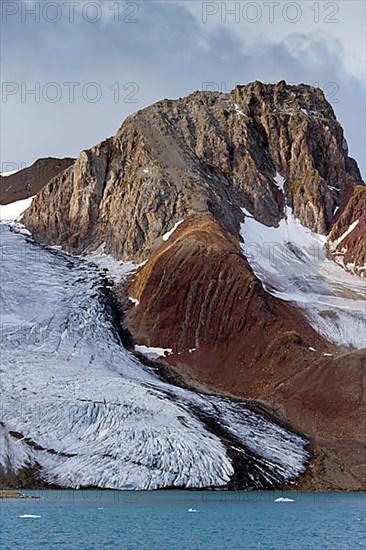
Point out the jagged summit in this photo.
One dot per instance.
(206, 153)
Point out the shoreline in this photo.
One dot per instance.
(16, 494)
(9, 494)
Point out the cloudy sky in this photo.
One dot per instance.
(90, 64)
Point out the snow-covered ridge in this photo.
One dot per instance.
(291, 263)
(77, 403)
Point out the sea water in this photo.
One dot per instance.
(181, 520)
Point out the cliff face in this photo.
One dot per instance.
(202, 165)
(207, 153)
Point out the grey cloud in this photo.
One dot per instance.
(168, 54)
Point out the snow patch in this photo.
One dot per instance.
(169, 233)
(246, 213)
(4, 174)
(153, 352)
(280, 181)
(334, 244)
(291, 263)
(239, 111)
(117, 270)
(13, 211)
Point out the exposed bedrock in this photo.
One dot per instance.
(206, 153)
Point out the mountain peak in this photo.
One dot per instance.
(205, 153)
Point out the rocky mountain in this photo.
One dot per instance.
(237, 204)
(209, 153)
(29, 181)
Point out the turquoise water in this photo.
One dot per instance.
(83, 520)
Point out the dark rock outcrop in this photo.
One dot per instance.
(29, 181)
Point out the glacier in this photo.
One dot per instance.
(84, 411)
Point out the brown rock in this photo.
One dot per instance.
(207, 153)
(29, 181)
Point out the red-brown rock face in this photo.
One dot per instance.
(198, 296)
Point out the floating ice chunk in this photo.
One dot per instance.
(29, 516)
(192, 510)
(283, 499)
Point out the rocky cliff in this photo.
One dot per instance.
(174, 188)
(207, 153)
